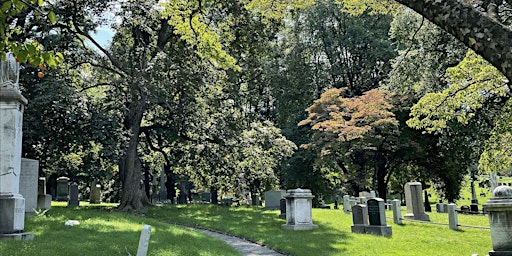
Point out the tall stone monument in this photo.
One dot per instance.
(12, 104)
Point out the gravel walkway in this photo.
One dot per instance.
(245, 247)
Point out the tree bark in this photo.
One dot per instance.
(480, 32)
(134, 197)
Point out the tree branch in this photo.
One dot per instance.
(478, 31)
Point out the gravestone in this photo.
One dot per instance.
(352, 202)
(12, 104)
(365, 194)
(44, 201)
(73, 195)
(95, 197)
(154, 193)
(499, 209)
(206, 197)
(255, 199)
(346, 204)
(299, 210)
(273, 198)
(145, 234)
(359, 218)
(361, 200)
(41, 186)
(414, 202)
(282, 207)
(397, 211)
(453, 220)
(62, 193)
(440, 208)
(163, 190)
(29, 178)
(377, 218)
(493, 180)
(373, 194)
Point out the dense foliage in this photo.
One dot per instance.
(222, 92)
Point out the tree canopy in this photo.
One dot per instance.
(215, 89)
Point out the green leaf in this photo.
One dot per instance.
(52, 17)
(40, 2)
(32, 50)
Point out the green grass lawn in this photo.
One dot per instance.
(333, 237)
(106, 232)
(103, 231)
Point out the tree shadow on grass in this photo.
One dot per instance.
(108, 233)
(258, 226)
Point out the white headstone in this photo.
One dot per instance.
(397, 212)
(29, 178)
(144, 240)
(453, 220)
(346, 204)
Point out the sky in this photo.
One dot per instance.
(103, 35)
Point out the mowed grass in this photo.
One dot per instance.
(103, 231)
(333, 237)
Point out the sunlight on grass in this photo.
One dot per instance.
(117, 233)
(103, 231)
(334, 237)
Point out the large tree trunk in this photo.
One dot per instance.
(134, 197)
(480, 32)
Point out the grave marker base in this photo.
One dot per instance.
(378, 230)
(417, 216)
(358, 229)
(299, 227)
(12, 213)
(500, 253)
(26, 236)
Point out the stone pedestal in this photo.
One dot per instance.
(12, 104)
(299, 210)
(499, 209)
(414, 202)
(12, 213)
